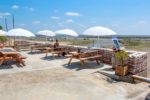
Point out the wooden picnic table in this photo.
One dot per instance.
(41, 47)
(48, 49)
(38, 48)
(83, 56)
(58, 50)
(11, 54)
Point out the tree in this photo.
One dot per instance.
(1, 27)
(3, 38)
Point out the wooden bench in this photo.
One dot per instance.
(40, 47)
(60, 51)
(140, 78)
(91, 58)
(85, 56)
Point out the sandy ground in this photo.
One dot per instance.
(52, 79)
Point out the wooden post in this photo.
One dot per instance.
(6, 24)
(140, 78)
(13, 20)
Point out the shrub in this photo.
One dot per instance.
(122, 56)
(1, 27)
(3, 38)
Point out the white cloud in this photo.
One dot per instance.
(72, 14)
(15, 7)
(142, 22)
(69, 21)
(22, 24)
(36, 22)
(55, 17)
(4, 14)
(29, 8)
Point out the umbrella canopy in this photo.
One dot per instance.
(46, 33)
(99, 31)
(67, 32)
(2, 33)
(20, 32)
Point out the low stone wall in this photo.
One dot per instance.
(137, 61)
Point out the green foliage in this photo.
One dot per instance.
(122, 57)
(3, 38)
(138, 44)
(130, 42)
(1, 27)
(77, 41)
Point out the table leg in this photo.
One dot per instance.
(82, 62)
(97, 62)
(46, 53)
(70, 60)
(31, 50)
(20, 60)
(1, 61)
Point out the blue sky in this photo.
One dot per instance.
(126, 17)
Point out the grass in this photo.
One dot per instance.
(77, 41)
(136, 44)
(3, 38)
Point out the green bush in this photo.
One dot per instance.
(122, 56)
(3, 38)
(1, 27)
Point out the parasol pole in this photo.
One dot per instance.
(7, 29)
(13, 26)
(6, 24)
(98, 41)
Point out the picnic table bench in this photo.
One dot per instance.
(85, 56)
(11, 54)
(57, 51)
(41, 48)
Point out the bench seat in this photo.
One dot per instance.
(91, 58)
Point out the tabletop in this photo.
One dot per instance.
(8, 51)
(87, 51)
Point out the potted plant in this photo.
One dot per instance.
(121, 68)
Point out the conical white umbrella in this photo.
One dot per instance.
(2, 33)
(46, 33)
(99, 31)
(67, 32)
(20, 32)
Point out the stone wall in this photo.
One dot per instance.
(137, 61)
